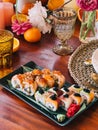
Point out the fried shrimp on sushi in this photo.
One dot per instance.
(17, 81)
(52, 102)
(77, 98)
(75, 88)
(65, 101)
(88, 95)
(59, 78)
(30, 87)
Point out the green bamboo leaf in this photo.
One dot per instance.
(83, 107)
(26, 69)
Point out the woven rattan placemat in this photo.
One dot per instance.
(78, 70)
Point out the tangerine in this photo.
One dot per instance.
(54, 4)
(12, 1)
(32, 35)
(26, 7)
(16, 45)
(19, 17)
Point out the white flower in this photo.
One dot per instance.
(37, 16)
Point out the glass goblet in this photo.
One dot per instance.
(64, 23)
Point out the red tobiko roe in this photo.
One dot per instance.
(72, 109)
(88, 5)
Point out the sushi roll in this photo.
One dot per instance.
(41, 82)
(65, 101)
(50, 80)
(56, 91)
(77, 98)
(52, 102)
(39, 96)
(28, 75)
(30, 87)
(17, 81)
(88, 95)
(36, 72)
(46, 71)
(59, 78)
(75, 88)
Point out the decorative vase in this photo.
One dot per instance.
(88, 29)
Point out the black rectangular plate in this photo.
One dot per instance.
(30, 101)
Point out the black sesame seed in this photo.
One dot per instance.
(53, 97)
(66, 95)
(86, 90)
(55, 88)
(76, 86)
(77, 95)
(66, 89)
(41, 91)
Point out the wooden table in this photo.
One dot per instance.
(17, 115)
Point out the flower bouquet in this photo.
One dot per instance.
(88, 29)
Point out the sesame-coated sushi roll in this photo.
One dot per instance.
(41, 82)
(75, 88)
(36, 72)
(50, 80)
(65, 101)
(17, 81)
(77, 98)
(30, 87)
(59, 78)
(87, 95)
(46, 71)
(52, 102)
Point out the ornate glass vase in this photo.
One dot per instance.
(88, 29)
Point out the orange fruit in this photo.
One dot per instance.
(54, 4)
(80, 13)
(32, 35)
(20, 17)
(16, 45)
(26, 7)
(12, 1)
